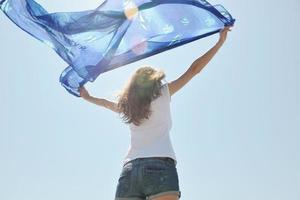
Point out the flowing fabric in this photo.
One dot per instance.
(116, 33)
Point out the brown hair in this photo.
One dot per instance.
(135, 98)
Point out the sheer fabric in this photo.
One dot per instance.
(116, 33)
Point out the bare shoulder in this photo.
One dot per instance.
(181, 81)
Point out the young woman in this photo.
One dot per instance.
(149, 168)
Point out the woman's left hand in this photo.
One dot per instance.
(223, 33)
(83, 92)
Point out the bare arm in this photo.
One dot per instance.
(198, 64)
(98, 101)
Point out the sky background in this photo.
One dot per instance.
(235, 126)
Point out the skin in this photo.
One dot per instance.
(174, 85)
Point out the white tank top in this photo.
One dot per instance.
(151, 138)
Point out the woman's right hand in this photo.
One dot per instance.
(83, 92)
(223, 33)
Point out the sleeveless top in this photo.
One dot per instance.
(151, 138)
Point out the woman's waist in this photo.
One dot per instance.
(137, 160)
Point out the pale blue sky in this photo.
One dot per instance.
(235, 127)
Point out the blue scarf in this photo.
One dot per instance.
(116, 33)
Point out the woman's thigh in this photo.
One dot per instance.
(167, 197)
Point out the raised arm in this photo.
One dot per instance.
(98, 101)
(198, 64)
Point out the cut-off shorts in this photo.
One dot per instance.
(148, 178)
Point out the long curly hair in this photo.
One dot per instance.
(135, 98)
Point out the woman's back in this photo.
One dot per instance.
(151, 138)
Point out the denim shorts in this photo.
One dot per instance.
(148, 178)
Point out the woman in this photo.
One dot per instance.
(149, 168)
